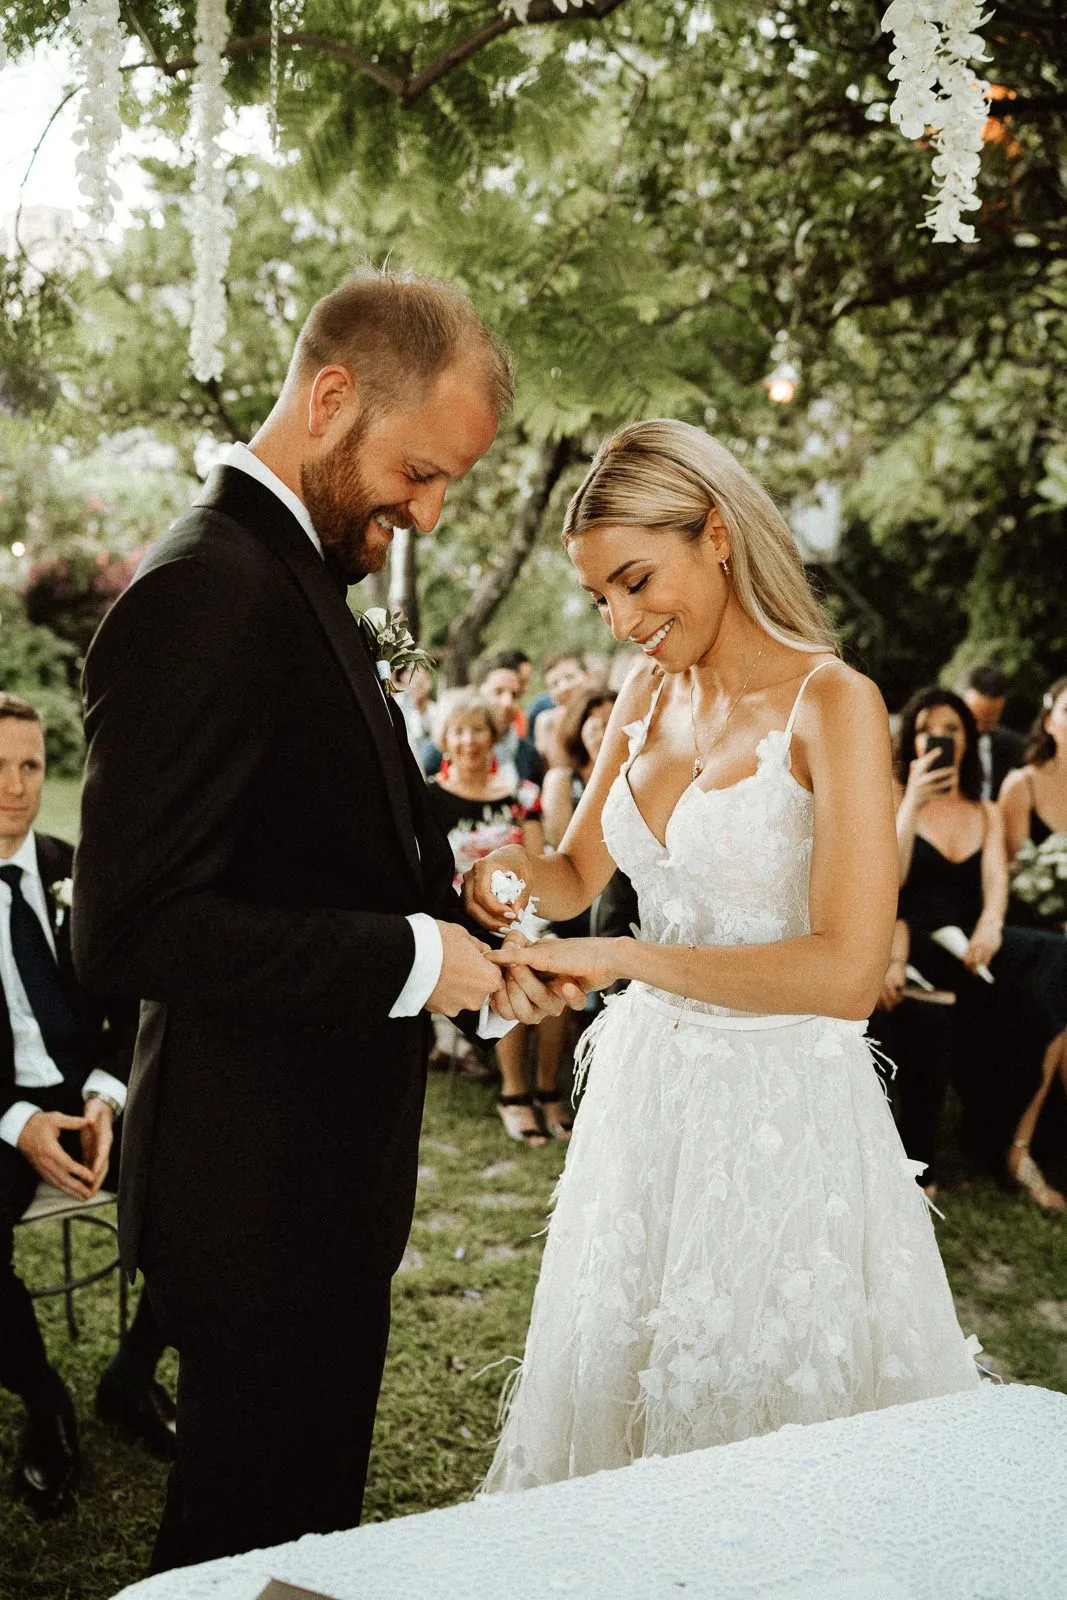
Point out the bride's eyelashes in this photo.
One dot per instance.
(598, 602)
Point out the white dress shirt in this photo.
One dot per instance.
(34, 1067)
(429, 951)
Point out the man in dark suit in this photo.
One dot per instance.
(278, 895)
(64, 1061)
(1000, 750)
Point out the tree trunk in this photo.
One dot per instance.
(465, 633)
(403, 577)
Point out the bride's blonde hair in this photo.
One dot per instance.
(664, 474)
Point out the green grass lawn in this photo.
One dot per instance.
(461, 1303)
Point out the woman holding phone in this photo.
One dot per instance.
(954, 875)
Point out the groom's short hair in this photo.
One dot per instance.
(397, 332)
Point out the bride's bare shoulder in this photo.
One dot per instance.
(843, 692)
(638, 689)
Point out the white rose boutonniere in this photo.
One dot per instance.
(391, 645)
(63, 898)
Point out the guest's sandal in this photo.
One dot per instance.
(1031, 1180)
(510, 1108)
(559, 1127)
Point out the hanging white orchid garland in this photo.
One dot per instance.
(98, 31)
(212, 219)
(934, 40)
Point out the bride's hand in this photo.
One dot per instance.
(592, 963)
(478, 898)
(528, 996)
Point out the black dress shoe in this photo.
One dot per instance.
(144, 1414)
(47, 1466)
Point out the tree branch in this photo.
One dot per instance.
(406, 89)
(555, 457)
(1048, 105)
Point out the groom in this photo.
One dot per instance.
(258, 865)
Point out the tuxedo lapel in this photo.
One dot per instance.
(244, 500)
(54, 867)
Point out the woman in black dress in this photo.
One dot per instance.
(1000, 1039)
(1033, 800)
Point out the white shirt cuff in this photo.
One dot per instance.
(490, 1025)
(425, 969)
(101, 1082)
(15, 1119)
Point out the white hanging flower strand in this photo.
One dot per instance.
(97, 28)
(275, 31)
(212, 219)
(933, 42)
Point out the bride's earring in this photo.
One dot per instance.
(725, 565)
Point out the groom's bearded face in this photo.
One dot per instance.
(347, 515)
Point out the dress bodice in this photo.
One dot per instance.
(938, 891)
(735, 862)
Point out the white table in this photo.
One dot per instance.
(963, 1498)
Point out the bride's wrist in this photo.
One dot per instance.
(624, 953)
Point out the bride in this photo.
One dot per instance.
(738, 1240)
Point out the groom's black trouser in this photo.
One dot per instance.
(275, 1415)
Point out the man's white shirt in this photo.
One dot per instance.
(429, 949)
(34, 1067)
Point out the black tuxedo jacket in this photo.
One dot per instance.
(1006, 748)
(255, 832)
(107, 1026)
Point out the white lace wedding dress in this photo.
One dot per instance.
(738, 1239)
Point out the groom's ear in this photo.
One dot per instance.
(332, 400)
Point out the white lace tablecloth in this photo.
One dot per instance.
(962, 1498)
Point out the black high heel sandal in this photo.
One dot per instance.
(557, 1127)
(504, 1103)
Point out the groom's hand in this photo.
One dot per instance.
(528, 998)
(468, 977)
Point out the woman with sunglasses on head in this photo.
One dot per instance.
(1033, 800)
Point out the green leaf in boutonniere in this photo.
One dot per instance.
(391, 645)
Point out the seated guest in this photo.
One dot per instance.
(984, 690)
(519, 662)
(997, 1042)
(499, 682)
(415, 701)
(64, 1060)
(481, 808)
(565, 678)
(1033, 801)
(581, 735)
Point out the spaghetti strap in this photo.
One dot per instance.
(800, 694)
(650, 713)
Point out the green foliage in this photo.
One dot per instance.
(35, 664)
(651, 206)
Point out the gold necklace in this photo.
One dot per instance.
(698, 759)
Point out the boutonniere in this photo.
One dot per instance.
(391, 645)
(62, 898)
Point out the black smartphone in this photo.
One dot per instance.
(945, 745)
